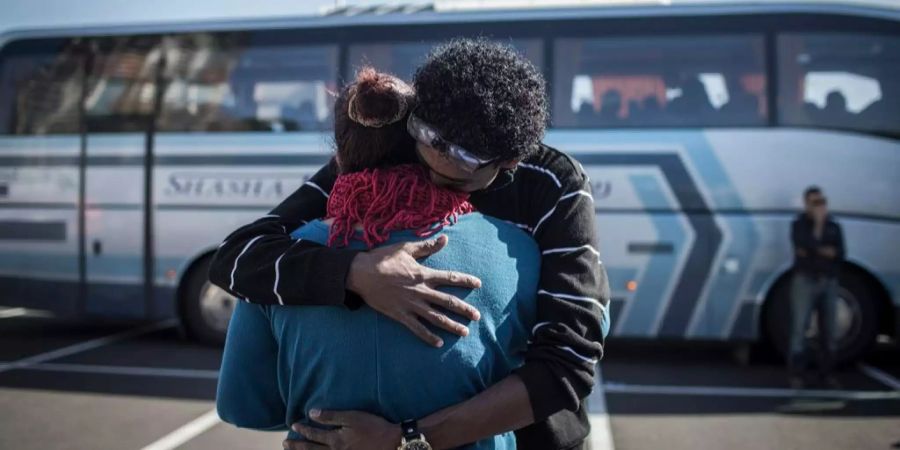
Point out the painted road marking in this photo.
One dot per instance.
(601, 430)
(880, 375)
(716, 391)
(186, 432)
(85, 346)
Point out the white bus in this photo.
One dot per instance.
(126, 155)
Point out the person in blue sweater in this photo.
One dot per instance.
(283, 364)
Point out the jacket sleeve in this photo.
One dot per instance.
(261, 263)
(802, 238)
(572, 308)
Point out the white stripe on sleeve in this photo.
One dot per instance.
(520, 225)
(234, 269)
(576, 298)
(533, 330)
(553, 209)
(546, 216)
(572, 194)
(278, 273)
(310, 183)
(544, 171)
(574, 353)
(571, 249)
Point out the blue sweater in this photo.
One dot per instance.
(282, 361)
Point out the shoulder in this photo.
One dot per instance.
(482, 230)
(556, 166)
(833, 223)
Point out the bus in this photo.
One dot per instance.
(128, 153)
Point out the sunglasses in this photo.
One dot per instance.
(819, 202)
(427, 135)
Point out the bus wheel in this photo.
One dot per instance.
(857, 319)
(205, 308)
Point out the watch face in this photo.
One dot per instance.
(417, 445)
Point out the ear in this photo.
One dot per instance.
(510, 164)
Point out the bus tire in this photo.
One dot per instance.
(205, 308)
(857, 317)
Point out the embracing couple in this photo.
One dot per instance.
(436, 285)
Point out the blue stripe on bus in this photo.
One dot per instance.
(708, 236)
(255, 140)
(618, 278)
(723, 296)
(658, 272)
(63, 265)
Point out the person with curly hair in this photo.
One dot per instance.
(480, 116)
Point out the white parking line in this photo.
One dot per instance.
(880, 375)
(8, 313)
(85, 346)
(186, 432)
(127, 370)
(601, 430)
(716, 391)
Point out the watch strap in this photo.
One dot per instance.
(409, 429)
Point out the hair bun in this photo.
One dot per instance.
(378, 99)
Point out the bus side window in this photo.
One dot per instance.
(121, 84)
(840, 80)
(229, 82)
(403, 58)
(676, 81)
(40, 87)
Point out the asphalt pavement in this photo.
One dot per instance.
(78, 385)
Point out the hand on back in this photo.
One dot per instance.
(391, 281)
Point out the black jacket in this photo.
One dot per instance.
(803, 238)
(549, 197)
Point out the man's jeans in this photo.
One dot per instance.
(810, 294)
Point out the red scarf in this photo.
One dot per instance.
(385, 200)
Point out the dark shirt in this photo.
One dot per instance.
(549, 197)
(803, 238)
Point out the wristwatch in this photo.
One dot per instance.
(412, 439)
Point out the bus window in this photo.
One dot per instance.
(709, 81)
(40, 87)
(121, 84)
(840, 81)
(225, 82)
(403, 58)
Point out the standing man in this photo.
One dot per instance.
(480, 104)
(818, 255)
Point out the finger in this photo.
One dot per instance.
(419, 250)
(450, 303)
(314, 434)
(451, 278)
(441, 321)
(339, 418)
(302, 445)
(421, 331)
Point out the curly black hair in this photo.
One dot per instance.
(483, 96)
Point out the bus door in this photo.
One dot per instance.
(119, 104)
(40, 86)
